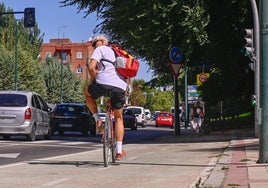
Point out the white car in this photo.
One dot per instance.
(24, 113)
(148, 114)
(140, 115)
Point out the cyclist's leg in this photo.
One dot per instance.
(119, 135)
(91, 102)
(118, 101)
(92, 92)
(119, 126)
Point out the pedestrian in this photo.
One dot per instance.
(198, 116)
(105, 81)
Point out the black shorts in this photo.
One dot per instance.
(117, 95)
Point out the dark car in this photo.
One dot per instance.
(129, 118)
(73, 117)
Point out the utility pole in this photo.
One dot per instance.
(186, 118)
(256, 62)
(263, 142)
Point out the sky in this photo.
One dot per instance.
(64, 22)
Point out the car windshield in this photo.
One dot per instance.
(136, 110)
(14, 100)
(67, 108)
(164, 114)
(127, 112)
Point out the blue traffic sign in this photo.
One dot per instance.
(175, 55)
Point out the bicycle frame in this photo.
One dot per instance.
(108, 137)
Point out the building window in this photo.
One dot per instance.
(64, 57)
(79, 69)
(48, 55)
(79, 55)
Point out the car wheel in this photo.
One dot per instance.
(61, 132)
(143, 125)
(32, 135)
(84, 132)
(134, 127)
(156, 125)
(48, 136)
(93, 132)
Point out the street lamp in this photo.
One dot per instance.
(137, 97)
(145, 94)
(16, 57)
(61, 71)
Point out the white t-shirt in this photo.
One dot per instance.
(107, 74)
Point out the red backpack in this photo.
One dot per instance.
(125, 64)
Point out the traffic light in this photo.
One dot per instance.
(29, 17)
(248, 49)
(253, 100)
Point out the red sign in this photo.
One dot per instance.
(203, 77)
(175, 68)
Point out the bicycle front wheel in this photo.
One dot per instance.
(108, 143)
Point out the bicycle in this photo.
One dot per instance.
(108, 137)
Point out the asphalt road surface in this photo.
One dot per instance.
(17, 149)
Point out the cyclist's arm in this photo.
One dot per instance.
(92, 69)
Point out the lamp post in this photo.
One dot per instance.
(137, 97)
(145, 94)
(61, 72)
(16, 57)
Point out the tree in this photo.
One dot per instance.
(72, 90)
(208, 32)
(149, 29)
(6, 69)
(30, 76)
(20, 46)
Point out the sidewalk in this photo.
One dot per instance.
(238, 166)
(189, 160)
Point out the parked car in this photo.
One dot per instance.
(140, 115)
(73, 117)
(129, 119)
(148, 114)
(164, 119)
(24, 113)
(155, 115)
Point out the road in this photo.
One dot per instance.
(155, 158)
(18, 149)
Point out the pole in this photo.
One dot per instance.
(186, 119)
(61, 72)
(256, 63)
(263, 142)
(16, 57)
(176, 107)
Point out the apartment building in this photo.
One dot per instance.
(72, 53)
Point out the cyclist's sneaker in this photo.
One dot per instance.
(99, 126)
(120, 156)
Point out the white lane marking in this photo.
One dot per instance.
(10, 155)
(56, 182)
(48, 158)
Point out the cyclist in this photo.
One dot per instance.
(105, 81)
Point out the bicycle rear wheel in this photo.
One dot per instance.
(108, 143)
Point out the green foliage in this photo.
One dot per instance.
(151, 98)
(72, 90)
(44, 79)
(150, 28)
(6, 69)
(30, 76)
